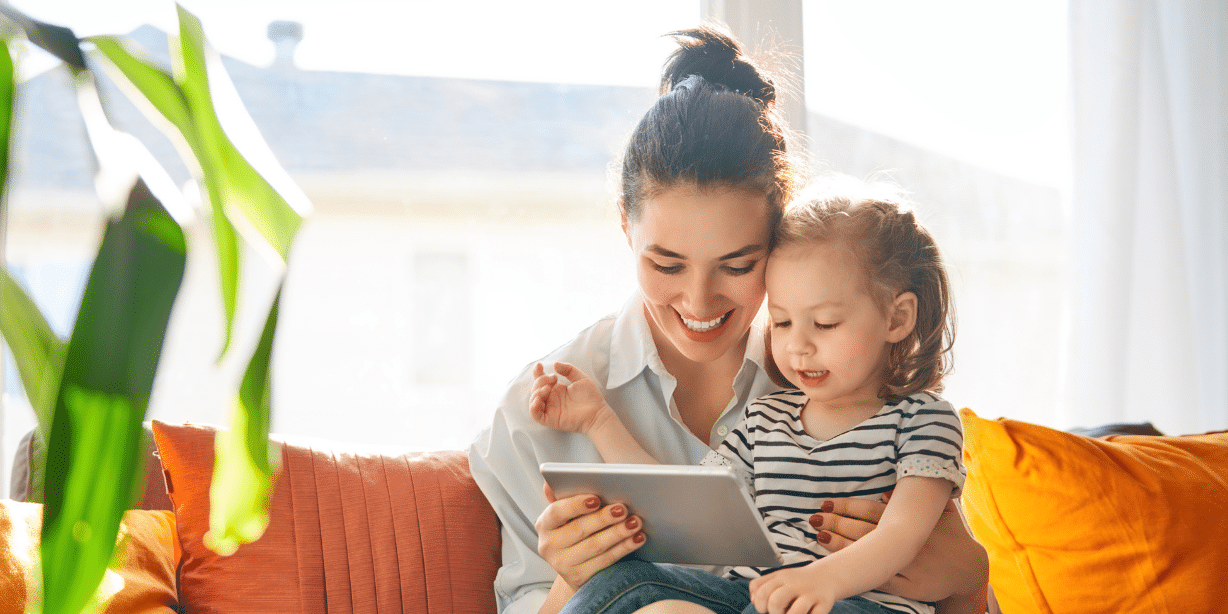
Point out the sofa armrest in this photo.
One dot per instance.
(28, 463)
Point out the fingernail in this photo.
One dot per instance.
(827, 506)
(592, 503)
(638, 538)
(824, 537)
(816, 521)
(618, 511)
(633, 523)
(887, 496)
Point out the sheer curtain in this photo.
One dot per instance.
(1149, 201)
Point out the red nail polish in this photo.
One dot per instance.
(827, 506)
(618, 511)
(638, 538)
(824, 537)
(592, 503)
(816, 521)
(633, 523)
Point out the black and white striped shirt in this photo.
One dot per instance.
(790, 473)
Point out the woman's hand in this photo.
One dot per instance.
(950, 563)
(579, 537)
(574, 406)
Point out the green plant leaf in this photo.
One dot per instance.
(6, 121)
(56, 40)
(246, 190)
(242, 470)
(155, 84)
(95, 458)
(163, 93)
(37, 350)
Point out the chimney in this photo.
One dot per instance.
(285, 36)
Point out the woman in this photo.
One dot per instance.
(704, 179)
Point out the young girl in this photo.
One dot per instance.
(861, 327)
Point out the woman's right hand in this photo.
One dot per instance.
(951, 564)
(579, 537)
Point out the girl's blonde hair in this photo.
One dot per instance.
(897, 254)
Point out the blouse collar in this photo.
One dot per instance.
(632, 349)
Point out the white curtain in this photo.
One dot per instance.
(1149, 201)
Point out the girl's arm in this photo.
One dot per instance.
(870, 561)
(952, 567)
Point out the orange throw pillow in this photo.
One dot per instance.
(1123, 524)
(141, 582)
(348, 532)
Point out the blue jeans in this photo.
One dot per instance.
(631, 584)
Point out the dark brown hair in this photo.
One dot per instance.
(715, 124)
(897, 254)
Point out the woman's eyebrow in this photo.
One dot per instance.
(745, 251)
(661, 251)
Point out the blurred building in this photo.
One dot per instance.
(462, 228)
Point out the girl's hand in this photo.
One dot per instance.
(573, 406)
(950, 563)
(796, 590)
(579, 537)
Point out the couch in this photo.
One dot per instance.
(351, 529)
(1101, 522)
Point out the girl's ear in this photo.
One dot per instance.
(903, 317)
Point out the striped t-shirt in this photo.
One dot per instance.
(790, 473)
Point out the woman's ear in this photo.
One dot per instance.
(903, 317)
(622, 215)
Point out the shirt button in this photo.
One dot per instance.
(722, 430)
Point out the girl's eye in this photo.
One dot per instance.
(735, 270)
(668, 270)
(825, 326)
(784, 324)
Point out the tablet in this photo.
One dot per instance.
(693, 515)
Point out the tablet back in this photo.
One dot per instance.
(692, 514)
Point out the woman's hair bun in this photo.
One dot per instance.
(712, 52)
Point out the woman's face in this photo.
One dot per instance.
(701, 257)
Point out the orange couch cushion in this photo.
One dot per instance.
(1123, 524)
(348, 531)
(142, 581)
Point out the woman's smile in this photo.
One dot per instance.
(705, 326)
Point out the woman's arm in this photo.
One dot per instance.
(504, 460)
(579, 537)
(867, 563)
(951, 567)
(559, 593)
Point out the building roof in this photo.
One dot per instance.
(336, 122)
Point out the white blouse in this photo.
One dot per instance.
(618, 353)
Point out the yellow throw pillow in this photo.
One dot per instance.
(142, 580)
(1123, 524)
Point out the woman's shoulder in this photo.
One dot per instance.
(589, 349)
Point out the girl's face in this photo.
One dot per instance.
(829, 336)
(701, 256)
